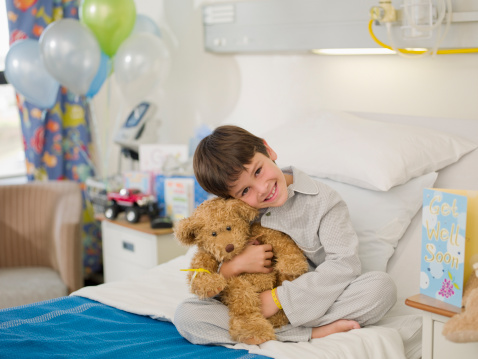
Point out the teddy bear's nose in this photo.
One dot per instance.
(229, 248)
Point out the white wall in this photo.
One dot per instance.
(269, 89)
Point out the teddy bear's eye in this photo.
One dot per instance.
(214, 234)
(228, 228)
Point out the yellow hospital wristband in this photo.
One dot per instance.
(276, 301)
(196, 270)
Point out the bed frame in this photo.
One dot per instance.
(78, 326)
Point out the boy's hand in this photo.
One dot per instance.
(256, 258)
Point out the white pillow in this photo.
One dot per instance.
(381, 218)
(365, 153)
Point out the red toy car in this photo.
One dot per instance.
(132, 201)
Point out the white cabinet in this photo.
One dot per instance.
(434, 344)
(129, 249)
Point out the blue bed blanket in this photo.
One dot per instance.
(76, 327)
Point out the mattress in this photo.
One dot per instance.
(157, 292)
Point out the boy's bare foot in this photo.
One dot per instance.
(339, 326)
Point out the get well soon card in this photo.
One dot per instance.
(449, 242)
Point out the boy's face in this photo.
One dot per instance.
(262, 184)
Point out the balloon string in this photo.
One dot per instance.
(171, 35)
(96, 136)
(105, 133)
(165, 26)
(115, 130)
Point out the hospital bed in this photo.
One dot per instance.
(132, 317)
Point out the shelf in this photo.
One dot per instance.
(429, 304)
(144, 224)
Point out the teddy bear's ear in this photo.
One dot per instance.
(245, 211)
(184, 231)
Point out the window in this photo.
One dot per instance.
(12, 155)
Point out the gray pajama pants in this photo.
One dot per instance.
(365, 300)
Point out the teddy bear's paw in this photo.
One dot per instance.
(282, 277)
(251, 330)
(279, 319)
(208, 286)
(291, 268)
(204, 294)
(461, 328)
(463, 336)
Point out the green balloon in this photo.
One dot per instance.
(110, 20)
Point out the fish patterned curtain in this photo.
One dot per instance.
(58, 142)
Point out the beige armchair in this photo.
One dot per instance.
(40, 241)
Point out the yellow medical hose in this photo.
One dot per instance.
(418, 52)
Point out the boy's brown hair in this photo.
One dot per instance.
(221, 157)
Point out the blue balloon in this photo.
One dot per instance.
(101, 75)
(24, 69)
(146, 24)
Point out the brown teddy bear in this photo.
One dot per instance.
(221, 229)
(463, 327)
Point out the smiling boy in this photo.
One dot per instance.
(333, 296)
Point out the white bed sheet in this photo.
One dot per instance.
(157, 292)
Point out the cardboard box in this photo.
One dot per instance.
(195, 191)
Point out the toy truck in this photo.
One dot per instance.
(132, 201)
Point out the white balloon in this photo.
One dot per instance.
(146, 24)
(140, 64)
(71, 54)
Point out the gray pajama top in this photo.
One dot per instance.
(317, 219)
